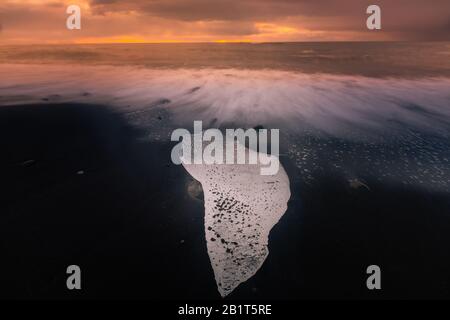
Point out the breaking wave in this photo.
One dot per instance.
(330, 103)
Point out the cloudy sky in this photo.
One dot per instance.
(104, 21)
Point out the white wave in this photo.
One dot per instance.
(330, 103)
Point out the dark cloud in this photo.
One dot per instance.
(409, 18)
(207, 20)
(206, 10)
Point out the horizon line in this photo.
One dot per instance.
(222, 42)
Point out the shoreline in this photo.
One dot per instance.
(131, 225)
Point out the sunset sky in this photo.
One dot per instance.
(108, 21)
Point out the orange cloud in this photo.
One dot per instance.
(106, 21)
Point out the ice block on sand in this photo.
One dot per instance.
(241, 207)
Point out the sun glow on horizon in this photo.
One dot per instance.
(197, 21)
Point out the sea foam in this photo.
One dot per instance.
(246, 98)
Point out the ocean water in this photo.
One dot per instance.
(393, 97)
(364, 130)
(352, 58)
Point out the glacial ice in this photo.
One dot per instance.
(241, 207)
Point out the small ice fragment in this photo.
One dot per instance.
(27, 163)
(356, 184)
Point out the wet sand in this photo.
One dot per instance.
(80, 187)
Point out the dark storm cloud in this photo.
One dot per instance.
(409, 18)
(194, 10)
(234, 20)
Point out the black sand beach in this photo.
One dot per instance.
(121, 220)
(79, 186)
